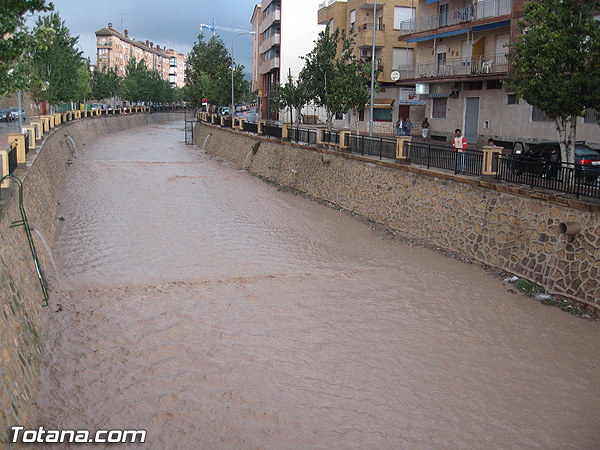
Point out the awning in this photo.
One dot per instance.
(432, 1)
(491, 26)
(440, 35)
(438, 95)
(383, 103)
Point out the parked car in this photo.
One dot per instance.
(15, 113)
(536, 159)
(5, 115)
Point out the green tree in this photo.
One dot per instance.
(293, 95)
(555, 63)
(105, 84)
(333, 76)
(208, 73)
(143, 85)
(58, 72)
(17, 42)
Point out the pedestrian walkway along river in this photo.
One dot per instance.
(216, 312)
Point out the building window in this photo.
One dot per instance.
(591, 116)
(438, 109)
(473, 86)
(382, 115)
(512, 99)
(352, 20)
(539, 115)
(493, 84)
(339, 116)
(404, 18)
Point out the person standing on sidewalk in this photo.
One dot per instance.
(425, 129)
(407, 127)
(399, 126)
(460, 146)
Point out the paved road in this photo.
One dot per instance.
(216, 312)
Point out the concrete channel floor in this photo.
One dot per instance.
(216, 312)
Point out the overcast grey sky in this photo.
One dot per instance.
(174, 24)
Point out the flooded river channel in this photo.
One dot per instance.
(216, 312)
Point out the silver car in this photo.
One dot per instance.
(15, 113)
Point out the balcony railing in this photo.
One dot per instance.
(477, 65)
(480, 10)
(369, 27)
(327, 3)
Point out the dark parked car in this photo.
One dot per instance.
(5, 115)
(544, 160)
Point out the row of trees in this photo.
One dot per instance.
(208, 74)
(46, 62)
(332, 78)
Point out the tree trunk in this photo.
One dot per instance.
(572, 139)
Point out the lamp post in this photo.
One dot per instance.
(373, 66)
(232, 110)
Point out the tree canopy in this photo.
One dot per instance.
(333, 76)
(18, 41)
(106, 83)
(208, 73)
(143, 85)
(58, 72)
(555, 63)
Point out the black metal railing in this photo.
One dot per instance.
(227, 123)
(12, 158)
(272, 131)
(330, 137)
(27, 134)
(303, 136)
(375, 146)
(556, 176)
(469, 162)
(251, 127)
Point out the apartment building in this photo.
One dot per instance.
(460, 70)
(356, 17)
(286, 31)
(257, 40)
(115, 49)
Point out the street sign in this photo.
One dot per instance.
(204, 101)
(260, 92)
(395, 75)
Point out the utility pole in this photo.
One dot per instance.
(373, 67)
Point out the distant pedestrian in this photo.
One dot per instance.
(407, 127)
(425, 129)
(460, 146)
(491, 143)
(399, 126)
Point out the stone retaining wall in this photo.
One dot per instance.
(512, 229)
(21, 312)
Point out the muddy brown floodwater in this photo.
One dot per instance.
(216, 312)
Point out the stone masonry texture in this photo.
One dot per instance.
(22, 316)
(511, 229)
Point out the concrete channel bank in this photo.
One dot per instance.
(511, 229)
(21, 311)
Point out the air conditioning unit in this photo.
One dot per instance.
(365, 53)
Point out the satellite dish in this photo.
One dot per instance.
(395, 75)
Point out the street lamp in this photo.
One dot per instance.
(232, 110)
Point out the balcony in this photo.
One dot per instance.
(327, 3)
(269, 65)
(104, 44)
(275, 16)
(364, 36)
(476, 11)
(477, 65)
(270, 42)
